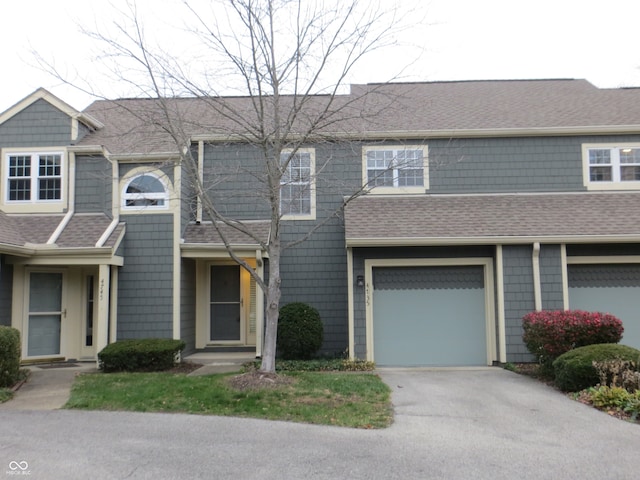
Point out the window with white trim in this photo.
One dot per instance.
(611, 166)
(297, 188)
(402, 168)
(145, 191)
(34, 177)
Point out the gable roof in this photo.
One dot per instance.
(383, 220)
(395, 110)
(43, 94)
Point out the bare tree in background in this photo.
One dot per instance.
(290, 60)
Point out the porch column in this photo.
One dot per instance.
(102, 320)
(113, 305)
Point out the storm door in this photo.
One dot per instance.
(225, 304)
(45, 313)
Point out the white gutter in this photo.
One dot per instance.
(489, 240)
(71, 201)
(537, 287)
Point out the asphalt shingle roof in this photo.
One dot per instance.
(372, 218)
(205, 234)
(82, 231)
(431, 108)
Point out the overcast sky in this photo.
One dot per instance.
(463, 39)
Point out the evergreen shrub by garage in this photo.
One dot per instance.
(574, 370)
(300, 332)
(143, 355)
(9, 356)
(550, 333)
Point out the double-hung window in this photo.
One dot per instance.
(611, 166)
(34, 177)
(297, 188)
(396, 169)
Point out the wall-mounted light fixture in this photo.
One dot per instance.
(360, 281)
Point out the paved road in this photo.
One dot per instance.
(450, 424)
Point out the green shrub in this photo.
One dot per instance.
(9, 356)
(574, 370)
(609, 397)
(300, 332)
(144, 355)
(550, 333)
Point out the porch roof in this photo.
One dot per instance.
(247, 234)
(32, 232)
(384, 220)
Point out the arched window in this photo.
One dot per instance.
(145, 191)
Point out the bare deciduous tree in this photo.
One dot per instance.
(290, 60)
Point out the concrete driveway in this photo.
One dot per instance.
(450, 424)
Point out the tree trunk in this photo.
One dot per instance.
(273, 301)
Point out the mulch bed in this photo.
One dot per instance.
(256, 380)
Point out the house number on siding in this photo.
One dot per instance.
(101, 289)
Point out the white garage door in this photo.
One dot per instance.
(611, 289)
(429, 316)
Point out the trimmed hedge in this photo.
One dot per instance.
(550, 333)
(10, 353)
(300, 332)
(143, 355)
(574, 370)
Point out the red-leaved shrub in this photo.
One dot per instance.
(550, 333)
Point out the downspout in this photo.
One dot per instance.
(537, 288)
(71, 201)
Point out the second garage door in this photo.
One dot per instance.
(429, 316)
(611, 289)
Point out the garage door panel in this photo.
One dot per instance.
(623, 302)
(429, 327)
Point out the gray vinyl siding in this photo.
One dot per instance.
(6, 291)
(518, 298)
(145, 290)
(38, 125)
(493, 165)
(93, 185)
(551, 277)
(188, 304)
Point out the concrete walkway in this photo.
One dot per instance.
(49, 386)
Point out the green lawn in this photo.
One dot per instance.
(358, 400)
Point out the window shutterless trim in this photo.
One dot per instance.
(611, 161)
(394, 172)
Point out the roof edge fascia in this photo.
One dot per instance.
(446, 133)
(141, 157)
(489, 240)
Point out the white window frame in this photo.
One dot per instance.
(616, 183)
(395, 189)
(312, 185)
(124, 196)
(34, 176)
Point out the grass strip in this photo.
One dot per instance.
(357, 400)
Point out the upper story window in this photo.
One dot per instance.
(34, 177)
(396, 169)
(610, 167)
(297, 187)
(145, 191)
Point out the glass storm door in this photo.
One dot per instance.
(225, 304)
(45, 314)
